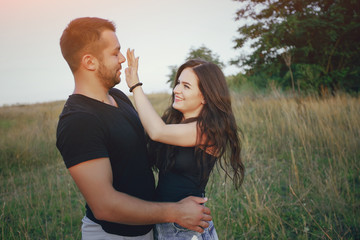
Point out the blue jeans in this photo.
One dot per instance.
(173, 231)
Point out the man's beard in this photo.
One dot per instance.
(109, 78)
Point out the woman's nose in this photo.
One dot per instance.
(177, 89)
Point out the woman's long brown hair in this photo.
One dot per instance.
(216, 121)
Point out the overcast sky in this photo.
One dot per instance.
(162, 32)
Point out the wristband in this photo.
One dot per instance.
(136, 85)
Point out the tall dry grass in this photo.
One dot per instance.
(302, 177)
(38, 199)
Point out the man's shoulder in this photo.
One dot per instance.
(77, 122)
(78, 106)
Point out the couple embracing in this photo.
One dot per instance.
(110, 147)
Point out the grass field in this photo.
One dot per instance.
(302, 172)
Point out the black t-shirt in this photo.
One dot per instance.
(89, 129)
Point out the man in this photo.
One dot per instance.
(103, 145)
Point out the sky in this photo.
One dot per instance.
(162, 32)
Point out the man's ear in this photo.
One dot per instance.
(89, 62)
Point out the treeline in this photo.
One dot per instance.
(307, 46)
(303, 45)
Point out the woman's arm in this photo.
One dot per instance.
(174, 134)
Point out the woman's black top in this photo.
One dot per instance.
(187, 177)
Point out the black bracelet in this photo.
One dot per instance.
(136, 85)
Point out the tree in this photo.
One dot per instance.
(321, 33)
(201, 52)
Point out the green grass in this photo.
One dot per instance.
(301, 157)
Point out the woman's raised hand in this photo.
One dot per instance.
(131, 72)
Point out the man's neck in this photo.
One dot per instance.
(93, 88)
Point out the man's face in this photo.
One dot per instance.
(110, 60)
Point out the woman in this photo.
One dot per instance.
(195, 132)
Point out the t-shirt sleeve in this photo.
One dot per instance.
(80, 138)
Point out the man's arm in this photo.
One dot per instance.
(94, 179)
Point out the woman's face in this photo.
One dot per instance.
(188, 98)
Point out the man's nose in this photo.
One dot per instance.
(122, 58)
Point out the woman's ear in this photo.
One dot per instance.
(89, 62)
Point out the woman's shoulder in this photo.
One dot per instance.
(210, 150)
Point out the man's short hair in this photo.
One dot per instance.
(82, 36)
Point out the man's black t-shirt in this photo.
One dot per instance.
(89, 129)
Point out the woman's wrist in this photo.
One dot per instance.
(134, 86)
